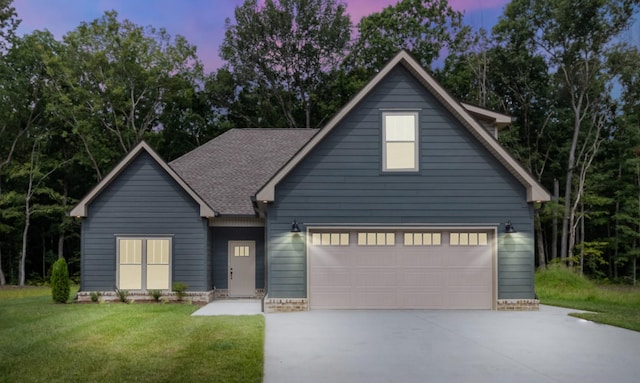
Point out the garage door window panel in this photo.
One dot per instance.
(422, 239)
(468, 239)
(376, 239)
(330, 239)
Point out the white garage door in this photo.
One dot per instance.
(388, 269)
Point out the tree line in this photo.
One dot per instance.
(565, 69)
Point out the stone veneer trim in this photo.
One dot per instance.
(279, 305)
(142, 296)
(518, 305)
(224, 294)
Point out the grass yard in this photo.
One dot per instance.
(113, 342)
(616, 305)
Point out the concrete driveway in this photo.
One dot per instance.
(447, 346)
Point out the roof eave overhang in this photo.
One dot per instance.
(499, 120)
(535, 191)
(80, 210)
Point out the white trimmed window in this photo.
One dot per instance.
(144, 263)
(330, 239)
(400, 141)
(468, 239)
(376, 239)
(422, 239)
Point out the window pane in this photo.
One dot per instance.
(130, 277)
(427, 239)
(464, 239)
(316, 239)
(435, 237)
(157, 252)
(371, 238)
(158, 277)
(454, 239)
(408, 239)
(326, 239)
(391, 239)
(130, 251)
(400, 155)
(417, 238)
(241, 251)
(400, 128)
(473, 239)
(380, 239)
(362, 239)
(344, 239)
(335, 239)
(482, 239)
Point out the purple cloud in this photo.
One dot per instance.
(201, 22)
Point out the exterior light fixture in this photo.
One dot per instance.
(294, 227)
(508, 228)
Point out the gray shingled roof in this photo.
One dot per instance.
(228, 170)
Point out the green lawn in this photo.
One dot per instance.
(45, 342)
(615, 305)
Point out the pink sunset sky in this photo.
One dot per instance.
(200, 21)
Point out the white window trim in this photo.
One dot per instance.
(416, 141)
(143, 260)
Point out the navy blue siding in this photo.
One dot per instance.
(210, 259)
(221, 238)
(144, 200)
(341, 182)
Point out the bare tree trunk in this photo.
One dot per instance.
(3, 162)
(614, 263)
(27, 223)
(566, 219)
(542, 258)
(554, 223)
(25, 231)
(61, 244)
(28, 209)
(582, 162)
(44, 255)
(633, 262)
(3, 280)
(62, 231)
(582, 238)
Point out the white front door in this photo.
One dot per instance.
(242, 268)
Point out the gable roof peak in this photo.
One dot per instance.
(80, 210)
(535, 191)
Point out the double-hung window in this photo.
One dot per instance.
(400, 141)
(144, 263)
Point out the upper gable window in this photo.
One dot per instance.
(400, 141)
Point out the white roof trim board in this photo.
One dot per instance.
(535, 191)
(80, 210)
(500, 120)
